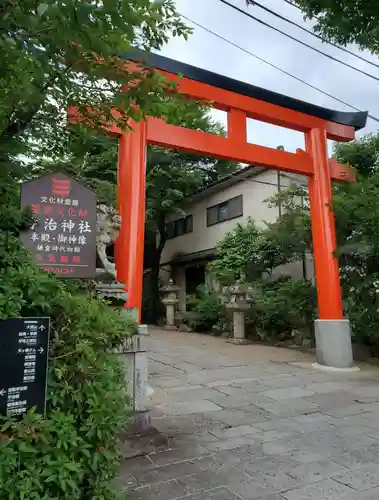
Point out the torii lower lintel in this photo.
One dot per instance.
(234, 148)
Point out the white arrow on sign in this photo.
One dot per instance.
(3, 392)
(40, 350)
(42, 328)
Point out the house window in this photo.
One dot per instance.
(180, 226)
(189, 224)
(225, 211)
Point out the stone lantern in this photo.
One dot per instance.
(239, 303)
(170, 299)
(115, 290)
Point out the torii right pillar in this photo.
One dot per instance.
(332, 330)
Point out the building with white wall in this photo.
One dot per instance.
(213, 212)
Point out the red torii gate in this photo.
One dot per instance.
(242, 101)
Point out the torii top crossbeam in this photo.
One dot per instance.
(241, 101)
(215, 84)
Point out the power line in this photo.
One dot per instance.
(277, 67)
(310, 32)
(292, 4)
(260, 21)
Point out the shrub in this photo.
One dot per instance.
(207, 308)
(238, 256)
(359, 281)
(282, 306)
(71, 454)
(249, 253)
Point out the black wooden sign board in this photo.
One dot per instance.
(24, 349)
(63, 241)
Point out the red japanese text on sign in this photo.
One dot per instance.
(65, 234)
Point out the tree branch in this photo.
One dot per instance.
(6, 8)
(19, 125)
(163, 234)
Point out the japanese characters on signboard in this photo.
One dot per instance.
(63, 241)
(24, 344)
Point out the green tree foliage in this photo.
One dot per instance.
(171, 177)
(362, 154)
(90, 156)
(356, 209)
(345, 21)
(73, 453)
(289, 238)
(207, 309)
(238, 255)
(60, 54)
(282, 306)
(248, 251)
(55, 55)
(250, 254)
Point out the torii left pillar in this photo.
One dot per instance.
(129, 261)
(131, 201)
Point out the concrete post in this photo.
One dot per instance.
(170, 299)
(135, 359)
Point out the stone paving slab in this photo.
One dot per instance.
(287, 393)
(186, 408)
(232, 443)
(255, 423)
(243, 416)
(261, 484)
(160, 491)
(335, 399)
(358, 459)
(363, 479)
(215, 494)
(316, 471)
(175, 455)
(165, 473)
(231, 432)
(259, 461)
(322, 490)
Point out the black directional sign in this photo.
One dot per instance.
(24, 345)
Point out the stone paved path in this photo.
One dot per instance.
(255, 423)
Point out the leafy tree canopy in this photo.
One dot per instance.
(248, 251)
(349, 21)
(356, 211)
(171, 176)
(60, 54)
(362, 154)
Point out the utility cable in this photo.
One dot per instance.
(260, 21)
(276, 67)
(310, 32)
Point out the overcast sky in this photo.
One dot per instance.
(206, 51)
